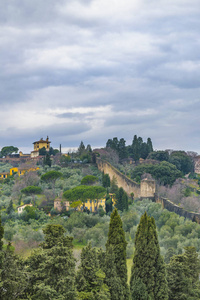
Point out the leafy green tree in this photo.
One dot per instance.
(51, 176)
(31, 189)
(89, 180)
(150, 145)
(47, 160)
(121, 199)
(116, 240)
(90, 277)
(148, 265)
(52, 269)
(81, 148)
(13, 276)
(122, 149)
(53, 151)
(180, 287)
(42, 151)
(139, 290)
(54, 235)
(113, 185)
(159, 155)
(112, 280)
(84, 193)
(182, 161)
(1, 235)
(144, 151)
(109, 143)
(165, 172)
(108, 203)
(10, 208)
(105, 180)
(135, 148)
(8, 150)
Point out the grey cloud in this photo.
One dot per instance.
(56, 57)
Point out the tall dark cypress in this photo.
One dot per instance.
(116, 239)
(148, 265)
(1, 235)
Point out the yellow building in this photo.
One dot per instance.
(93, 205)
(4, 175)
(39, 145)
(59, 204)
(21, 208)
(23, 169)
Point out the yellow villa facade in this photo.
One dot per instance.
(91, 205)
(39, 145)
(18, 170)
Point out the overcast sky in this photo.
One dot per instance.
(94, 69)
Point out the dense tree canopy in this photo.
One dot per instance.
(89, 180)
(84, 193)
(31, 189)
(165, 172)
(7, 150)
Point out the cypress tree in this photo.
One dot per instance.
(1, 235)
(116, 239)
(183, 275)
(135, 148)
(90, 278)
(112, 280)
(148, 265)
(149, 144)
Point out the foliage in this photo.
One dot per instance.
(182, 161)
(183, 275)
(148, 266)
(52, 270)
(89, 180)
(29, 190)
(159, 155)
(105, 180)
(1, 235)
(121, 199)
(84, 193)
(54, 234)
(116, 239)
(13, 277)
(42, 151)
(8, 150)
(118, 146)
(90, 277)
(166, 173)
(47, 160)
(51, 176)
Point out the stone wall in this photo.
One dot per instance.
(145, 190)
(169, 205)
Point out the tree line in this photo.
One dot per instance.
(50, 271)
(138, 149)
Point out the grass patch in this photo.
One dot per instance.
(129, 263)
(79, 245)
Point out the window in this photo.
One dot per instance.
(91, 208)
(95, 201)
(90, 201)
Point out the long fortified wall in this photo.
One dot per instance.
(146, 189)
(169, 205)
